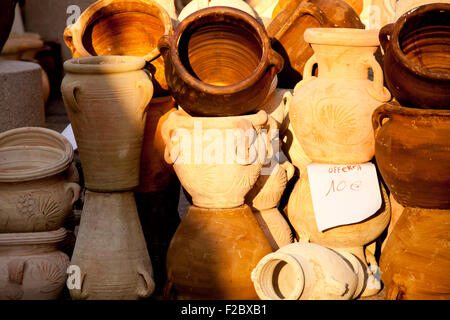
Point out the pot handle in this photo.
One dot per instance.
(68, 38)
(276, 60)
(385, 32)
(149, 284)
(68, 91)
(81, 293)
(378, 116)
(16, 269)
(290, 169)
(147, 88)
(173, 122)
(75, 189)
(377, 91)
(307, 73)
(314, 11)
(163, 45)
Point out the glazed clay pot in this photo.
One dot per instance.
(106, 99)
(233, 83)
(350, 238)
(31, 266)
(412, 154)
(35, 194)
(264, 198)
(110, 250)
(307, 271)
(196, 5)
(155, 173)
(331, 113)
(217, 175)
(7, 9)
(417, 59)
(416, 259)
(213, 252)
(122, 27)
(288, 26)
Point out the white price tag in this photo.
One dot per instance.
(68, 133)
(343, 194)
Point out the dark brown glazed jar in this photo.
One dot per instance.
(219, 62)
(7, 8)
(287, 28)
(417, 57)
(412, 151)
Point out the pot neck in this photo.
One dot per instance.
(342, 62)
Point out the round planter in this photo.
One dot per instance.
(31, 266)
(412, 154)
(106, 99)
(331, 113)
(417, 58)
(233, 83)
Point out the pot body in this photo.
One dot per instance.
(31, 266)
(305, 271)
(331, 114)
(217, 248)
(7, 9)
(412, 154)
(288, 27)
(415, 261)
(111, 251)
(416, 60)
(275, 227)
(233, 83)
(107, 113)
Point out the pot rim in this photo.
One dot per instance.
(220, 11)
(343, 37)
(13, 138)
(30, 238)
(47, 170)
(96, 65)
(86, 16)
(398, 52)
(258, 118)
(398, 109)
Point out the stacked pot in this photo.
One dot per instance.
(112, 83)
(38, 187)
(412, 152)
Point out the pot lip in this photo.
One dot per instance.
(30, 238)
(199, 85)
(398, 109)
(45, 171)
(13, 138)
(96, 65)
(93, 8)
(258, 118)
(343, 37)
(398, 52)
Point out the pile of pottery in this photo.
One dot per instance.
(412, 152)
(38, 187)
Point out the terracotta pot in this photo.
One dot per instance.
(412, 154)
(7, 9)
(31, 266)
(122, 27)
(35, 193)
(233, 83)
(350, 238)
(213, 252)
(196, 5)
(217, 175)
(415, 262)
(396, 212)
(111, 251)
(417, 59)
(288, 26)
(106, 99)
(307, 271)
(331, 114)
(155, 173)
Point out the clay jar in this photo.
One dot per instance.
(213, 252)
(412, 154)
(234, 82)
(331, 113)
(106, 99)
(31, 266)
(122, 27)
(196, 5)
(295, 17)
(155, 173)
(417, 59)
(110, 250)
(7, 8)
(216, 171)
(415, 261)
(307, 271)
(35, 194)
